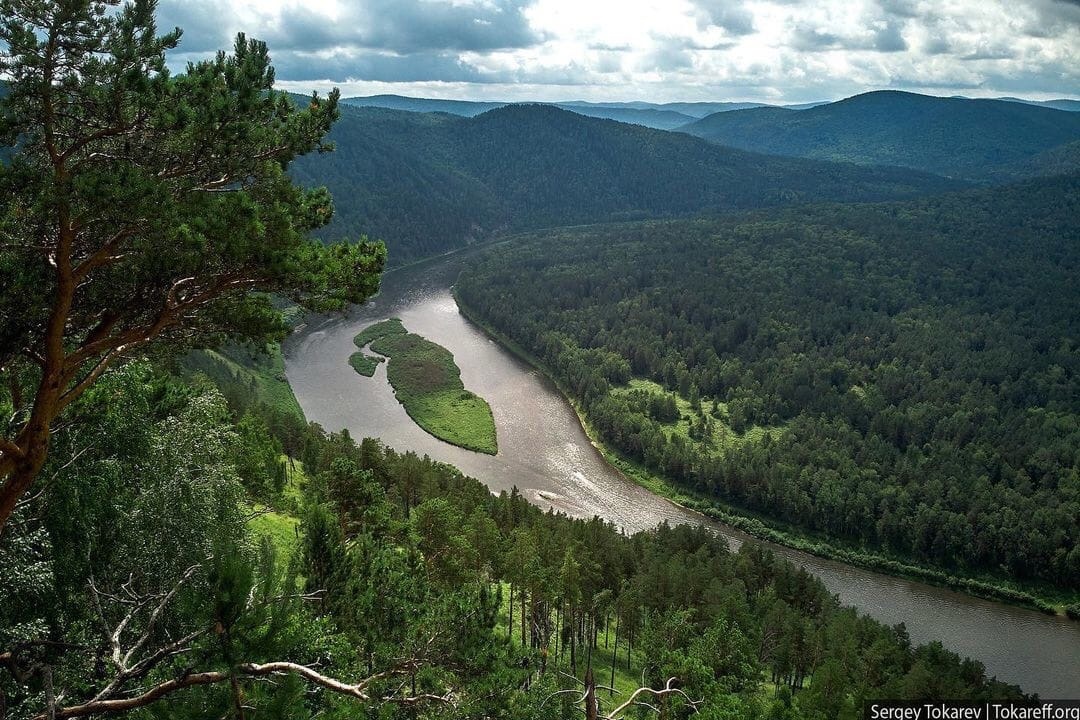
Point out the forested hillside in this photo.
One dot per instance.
(189, 558)
(978, 140)
(177, 541)
(653, 116)
(902, 377)
(428, 182)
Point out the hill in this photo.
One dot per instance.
(1058, 104)
(900, 378)
(647, 115)
(980, 140)
(465, 108)
(429, 182)
(661, 116)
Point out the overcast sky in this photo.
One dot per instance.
(654, 50)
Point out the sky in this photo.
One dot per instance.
(775, 51)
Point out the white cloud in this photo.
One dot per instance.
(659, 50)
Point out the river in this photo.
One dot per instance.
(544, 452)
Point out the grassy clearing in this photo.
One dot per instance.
(279, 528)
(362, 362)
(723, 436)
(427, 382)
(296, 480)
(280, 524)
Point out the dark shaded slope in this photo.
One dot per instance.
(971, 139)
(427, 182)
(389, 182)
(553, 167)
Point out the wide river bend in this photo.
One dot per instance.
(544, 452)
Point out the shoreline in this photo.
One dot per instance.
(764, 529)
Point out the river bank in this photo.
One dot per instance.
(761, 528)
(546, 455)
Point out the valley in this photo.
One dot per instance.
(697, 396)
(545, 453)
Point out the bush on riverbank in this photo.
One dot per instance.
(364, 364)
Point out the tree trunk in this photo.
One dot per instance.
(573, 641)
(558, 632)
(614, 655)
(592, 710)
(19, 473)
(510, 624)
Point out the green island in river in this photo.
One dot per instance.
(427, 383)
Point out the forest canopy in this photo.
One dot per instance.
(144, 210)
(903, 377)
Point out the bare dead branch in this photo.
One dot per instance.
(156, 614)
(357, 691)
(669, 689)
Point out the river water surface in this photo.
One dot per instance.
(544, 452)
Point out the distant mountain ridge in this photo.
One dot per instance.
(979, 140)
(661, 116)
(1059, 104)
(429, 182)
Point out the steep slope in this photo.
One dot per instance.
(428, 182)
(972, 139)
(389, 181)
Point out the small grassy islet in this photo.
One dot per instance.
(427, 382)
(362, 362)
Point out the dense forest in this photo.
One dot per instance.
(978, 140)
(177, 541)
(428, 182)
(902, 377)
(181, 537)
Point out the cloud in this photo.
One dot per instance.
(1053, 18)
(886, 38)
(763, 50)
(990, 52)
(808, 38)
(208, 25)
(900, 8)
(407, 26)
(890, 38)
(345, 65)
(670, 54)
(727, 14)
(936, 45)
